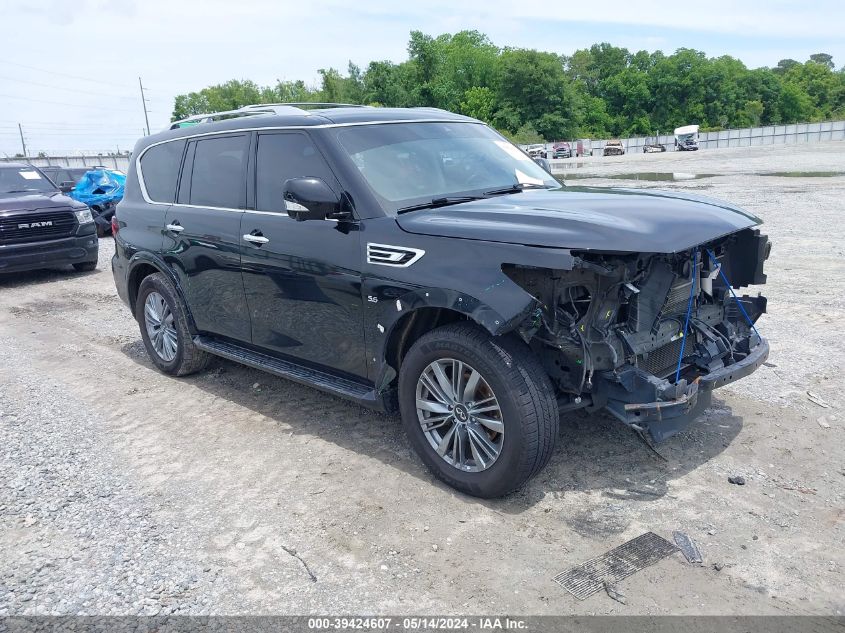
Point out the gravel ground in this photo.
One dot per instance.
(232, 492)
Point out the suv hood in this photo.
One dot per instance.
(33, 201)
(621, 220)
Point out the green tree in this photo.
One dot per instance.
(784, 65)
(532, 88)
(824, 59)
(600, 91)
(479, 102)
(526, 135)
(794, 104)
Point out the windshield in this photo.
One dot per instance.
(411, 163)
(24, 180)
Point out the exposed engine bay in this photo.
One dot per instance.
(648, 336)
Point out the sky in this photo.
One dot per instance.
(69, 70)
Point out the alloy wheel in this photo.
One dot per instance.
(459, 415)
(161, 327)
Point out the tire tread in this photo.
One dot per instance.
(530, 387)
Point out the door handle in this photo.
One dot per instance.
(256, 239)
(174, 227)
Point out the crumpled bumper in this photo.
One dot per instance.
(663, 419)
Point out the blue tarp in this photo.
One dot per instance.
(99, 186)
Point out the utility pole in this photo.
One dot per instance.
(23, 143)
(144, 103)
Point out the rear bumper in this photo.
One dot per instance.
(118, 271)
(49, 253)
(664, 418)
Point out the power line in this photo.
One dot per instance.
(71, 127)
(62, 103)
(52, 72)
(53, 87)
(36, 134)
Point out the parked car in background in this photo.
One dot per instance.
(101, 190)
(430, 267)
(583, 147)
(686, 138)
(40, 227)
(65, 178)
(613, 148)
(537, 151)
(561, 149)
(653, 147)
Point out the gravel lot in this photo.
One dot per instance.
(232, 492)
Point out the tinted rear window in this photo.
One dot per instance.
(217, 179)
(160, 170)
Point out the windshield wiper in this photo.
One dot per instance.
(22, 190)
(434, 203)
(515, 188)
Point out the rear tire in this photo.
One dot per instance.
(510, 376)
(164, 328)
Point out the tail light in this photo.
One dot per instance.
(115, 225)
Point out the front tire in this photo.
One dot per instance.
(479, 410)
(164, 328)
(85, 267)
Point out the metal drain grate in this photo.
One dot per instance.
(588, 578)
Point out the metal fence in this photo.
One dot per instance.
(743, 137)
(112, 162)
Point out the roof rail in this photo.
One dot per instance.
(257, 110)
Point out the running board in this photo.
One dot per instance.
(324, 381)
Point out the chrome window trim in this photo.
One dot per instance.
(189, 137)
(230, 209)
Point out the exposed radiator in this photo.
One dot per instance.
(677, 299)
(662, 361)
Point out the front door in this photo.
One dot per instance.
(202, 234)
(302, 279)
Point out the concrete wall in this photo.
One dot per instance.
(112, 162)
(744, 137)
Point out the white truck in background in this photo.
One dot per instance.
(686, 138)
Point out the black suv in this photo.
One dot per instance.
(414, 260)
(39, 226)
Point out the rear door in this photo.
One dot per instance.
(201, 234)
(302, 280)
(150, 191)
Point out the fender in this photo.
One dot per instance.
(147, 258)
(469, 282)
(382, 323)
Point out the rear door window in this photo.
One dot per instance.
(217, 178)
(160, 170)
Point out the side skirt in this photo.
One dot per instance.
(361, 393)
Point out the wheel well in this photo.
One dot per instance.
(136, 277)
(412, 326)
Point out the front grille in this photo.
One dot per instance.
(31, 227)
(661, 361)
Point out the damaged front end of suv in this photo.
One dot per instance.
(648, 336)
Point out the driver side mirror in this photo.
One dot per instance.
(67, 186)
(310, 199)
